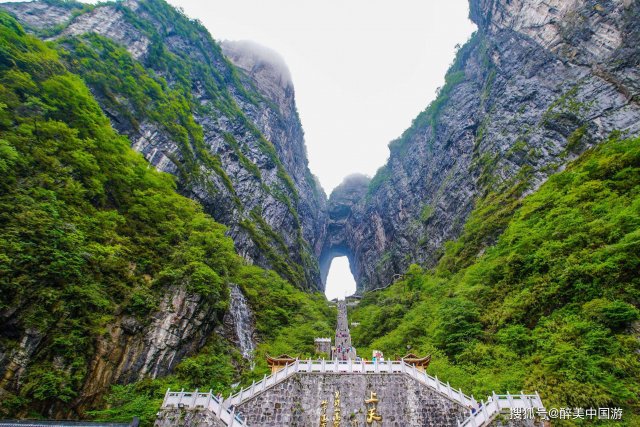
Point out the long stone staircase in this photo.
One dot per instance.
(343, 349)
(268, 402)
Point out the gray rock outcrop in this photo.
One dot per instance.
(250, 171)
(537, 85)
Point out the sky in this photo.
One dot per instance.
(340, 281)
(362, 69)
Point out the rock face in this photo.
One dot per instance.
(240, 150)
(538, 84)
(232, 137)
(131, 351)
(278, 120)
(339, 223)
(41, 15)
(239, 323)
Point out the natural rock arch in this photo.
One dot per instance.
(339, 231)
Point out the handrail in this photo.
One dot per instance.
(350, 366)
(198, 400)
(225, 409)
(498, 403)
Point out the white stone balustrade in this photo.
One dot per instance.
(350, 367)
(499, 403)
(198, 400)
(483, 416)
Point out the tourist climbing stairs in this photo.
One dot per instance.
(343, 349)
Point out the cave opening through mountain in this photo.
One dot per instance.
(340, 281)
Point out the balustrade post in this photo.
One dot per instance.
(194, 400)
(510, 399)
(166, 397)
(180, 396)
(209, 399)
(485, 412)
(525, 400)
(448, 389)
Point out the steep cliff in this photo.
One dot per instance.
(538, 84)
(339, 223)
(231, 134)
(552, 306)
(112, 282)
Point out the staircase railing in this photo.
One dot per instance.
(225, 409)
(498, 403)
(198, 400)
(350, 366)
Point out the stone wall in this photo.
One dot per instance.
(503, 420)
(402, 402)
(187, 418)
(323, 345)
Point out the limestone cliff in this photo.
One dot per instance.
(232, 137)
(235, 142)
(538, 84)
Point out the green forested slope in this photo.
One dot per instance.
(89, 232)
(549, 307)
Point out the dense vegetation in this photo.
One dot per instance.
(549, 307)
(90, 233)
(158, 91)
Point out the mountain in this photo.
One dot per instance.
(160, 227)
(230, 134)
(535, 86)
(551, 306)
(113, 285)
